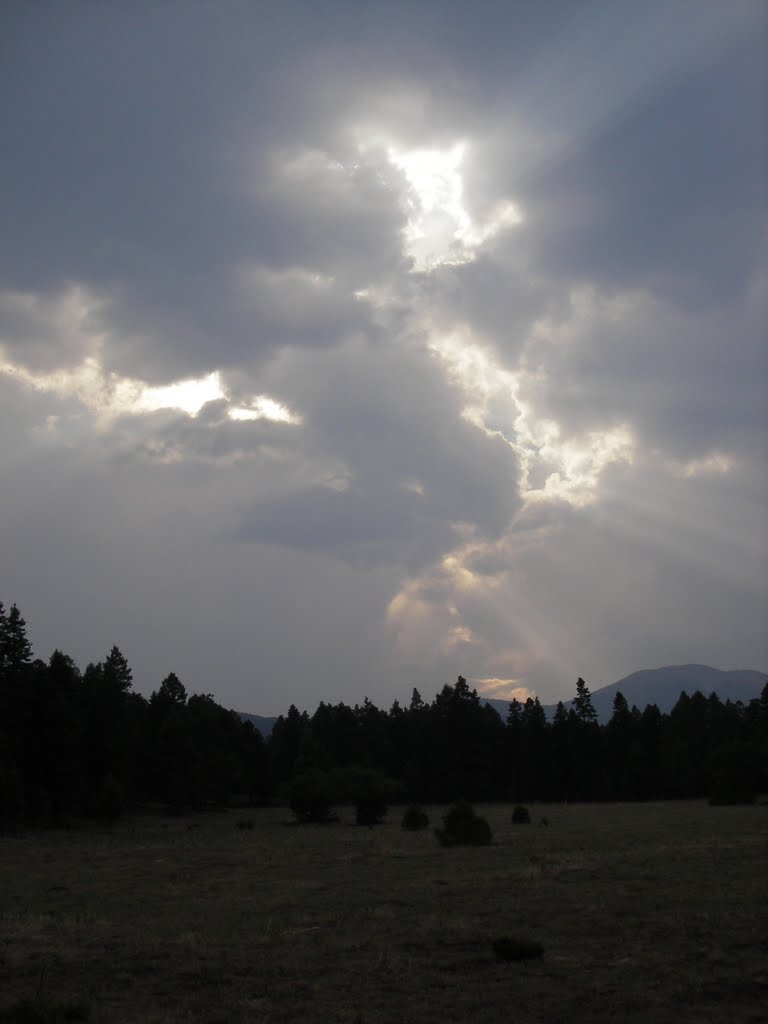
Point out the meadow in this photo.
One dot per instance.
(646, 912)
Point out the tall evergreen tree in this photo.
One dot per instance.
(111, 722)
(513, 747)
(172, 693)
(15, 648)
(285, 742)
(620, 733)
(3, 629)
(465, 745)
(416, 701)
(116, 671)
(562, 782)
(687, 746)
(582, 703)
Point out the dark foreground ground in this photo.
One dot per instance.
(655, 912)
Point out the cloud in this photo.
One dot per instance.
(687, 382)
(503, 689)
(46, 332)
(387, 342)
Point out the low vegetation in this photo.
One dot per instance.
(462, 826)
(415, 819)
(309, 798)
(511, 949)
(645, 912)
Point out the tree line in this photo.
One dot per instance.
(85, 744)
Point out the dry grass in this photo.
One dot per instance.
(646, 913)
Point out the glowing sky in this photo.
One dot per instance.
(347, 347)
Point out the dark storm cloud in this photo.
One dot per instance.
(665, 197)
(364, 527)
(181, 151)
(167, 437)
(120, 173)
(199, 187)
(46, 332)
(658, 552)
(99, 551)
(413, 466)
(634, 149)
(687, 383)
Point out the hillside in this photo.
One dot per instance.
(663, 686)
(262, 723)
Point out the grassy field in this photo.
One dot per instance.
(654, 912)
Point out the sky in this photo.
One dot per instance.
(348, 347)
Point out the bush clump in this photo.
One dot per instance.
(369, 791)
(370, 809)
(521, 815)
(309, 798)
(41, 1011)
(507, 949)
(110, 799)
(463, 827)
(734, 774)
(414, 819)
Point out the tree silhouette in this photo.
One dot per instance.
(116, 672)
(15, 648)
(582, 703)
(72, 745)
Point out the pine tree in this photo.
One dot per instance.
(582, 703)
(285, 742)
(3, 630)
(116, 671)
(15, 648)
(534, 760)
(619, 735)
(512, 736)
(171, 693)
(417, 704)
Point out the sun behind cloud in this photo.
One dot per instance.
(503, 689)
(440, 229)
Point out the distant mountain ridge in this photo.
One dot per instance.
(263, 724)
(663, 686)
(660, 686)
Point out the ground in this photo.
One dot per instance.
(647, 912)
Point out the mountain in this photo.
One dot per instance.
(264, 725)
(663, 686)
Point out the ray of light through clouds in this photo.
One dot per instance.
(440, 229)
(347, 348)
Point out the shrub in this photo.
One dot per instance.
(370, 809)
(724, 793)
(516, 949)
(734, 775)
(353, 783)
(368, 791)
(11, 795)
(309, 799)
(521, 815)
(110, 799)
(479, 833)
(40, 1011)
(415, 819)
(462, 827)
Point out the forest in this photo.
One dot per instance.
(77, 745)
